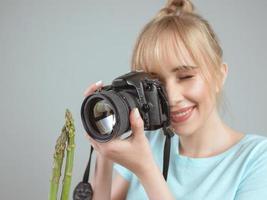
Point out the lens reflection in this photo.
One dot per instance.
(104, 117)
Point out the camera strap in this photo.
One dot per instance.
(84, 190)
(167, 148)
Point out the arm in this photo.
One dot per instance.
(102, 178)
(119, 188)
(155, 184)
(103, 186)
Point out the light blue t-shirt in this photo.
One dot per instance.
(240, 173)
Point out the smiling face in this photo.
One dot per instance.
(183, 52)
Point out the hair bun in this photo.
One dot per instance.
(175, 7)
(180, 5)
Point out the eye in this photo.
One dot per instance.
(155, 76)
(185, 77)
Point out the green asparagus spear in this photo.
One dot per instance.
(57, 164)
(70, 156)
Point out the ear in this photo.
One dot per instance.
(224, 73)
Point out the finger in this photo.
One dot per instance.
(105, 149)
(137, 124)
(92, 88)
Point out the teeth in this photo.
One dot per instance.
(183, 113)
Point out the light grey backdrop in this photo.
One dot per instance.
(51, 50)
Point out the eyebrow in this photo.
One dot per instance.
(184, 68)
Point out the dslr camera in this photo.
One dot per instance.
(105, 113)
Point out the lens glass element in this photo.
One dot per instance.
(104, 117)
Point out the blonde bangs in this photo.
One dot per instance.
(158, 44)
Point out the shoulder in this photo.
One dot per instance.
(255, 138)
(253, 149)
(253, 153)
(254, 144)
(254, 179)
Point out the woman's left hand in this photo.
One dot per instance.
(134, 152)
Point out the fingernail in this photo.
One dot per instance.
(98, 83)
(136, 113)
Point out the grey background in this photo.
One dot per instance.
(51, 50)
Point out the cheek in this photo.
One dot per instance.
(203, 98)
(198, 91)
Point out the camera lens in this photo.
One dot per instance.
(102, 114)
(104, 117)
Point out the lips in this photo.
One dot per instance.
(182, 115)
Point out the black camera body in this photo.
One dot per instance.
(105, 113)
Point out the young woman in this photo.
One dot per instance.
(208, 159)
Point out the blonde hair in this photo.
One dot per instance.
(175, 26)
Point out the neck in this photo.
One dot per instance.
(211, 139)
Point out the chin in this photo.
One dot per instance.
(182, 130)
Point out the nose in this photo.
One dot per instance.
(174, 93)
